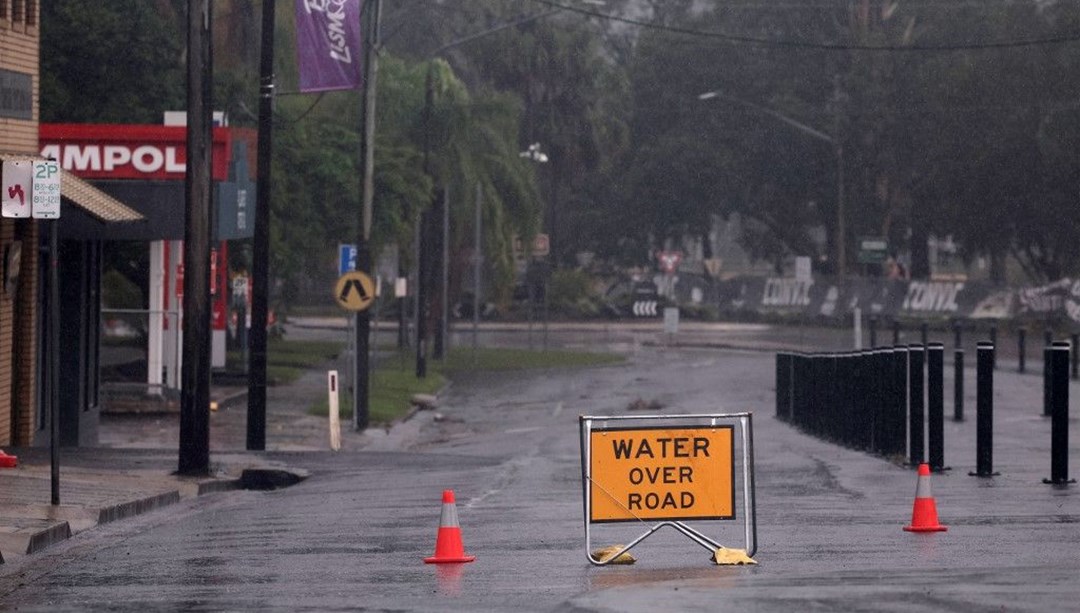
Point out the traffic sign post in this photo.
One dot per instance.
(346, 258)
(354, 291)
(667, 469)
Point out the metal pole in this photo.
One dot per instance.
(935, 406)
(194, 455)
(916, 419)
(1021, 343)
(444, 286)
(1074, 342)
(783, 385)
(958, 385)
(53, 381)
(895, 332)
(1059, 426)
(477, 260)
(897, 422)
(260, 242)
(984, 410)
(361, 361)
(1048, 387)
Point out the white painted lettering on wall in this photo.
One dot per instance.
(786, 292)
(932, 296)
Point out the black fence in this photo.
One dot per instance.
(891, 401)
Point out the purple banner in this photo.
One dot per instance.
(328, 44)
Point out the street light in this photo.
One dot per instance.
(534, 154)
(838, 148)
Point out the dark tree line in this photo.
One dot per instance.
(952, 118)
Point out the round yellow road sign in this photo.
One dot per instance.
(354, 291)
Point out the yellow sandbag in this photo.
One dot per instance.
(731, 557)
(605, 553)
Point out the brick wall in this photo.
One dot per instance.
(19, 52)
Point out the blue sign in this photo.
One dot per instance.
(346, 258)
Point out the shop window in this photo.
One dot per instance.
(17, 10)
(31, 12)
(3, 9)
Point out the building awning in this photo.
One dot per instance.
(95, 202)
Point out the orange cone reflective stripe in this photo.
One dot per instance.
(448, 544)
(924, 516)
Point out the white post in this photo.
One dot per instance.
(155, 350)
(335, 415)
(858, 328)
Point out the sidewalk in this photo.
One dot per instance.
(132, 473)
(132, 470)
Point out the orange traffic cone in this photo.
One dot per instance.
(924, 514)
(448, 546)
(8, 461)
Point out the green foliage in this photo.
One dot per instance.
(570, 294)
(120, 61)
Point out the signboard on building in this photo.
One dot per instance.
(118, 151)
(873, 250)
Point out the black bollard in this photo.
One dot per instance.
(873, 331)
(935, 406)
(1048, 389)
(783, 385)
(897, 423)
(984, 410)
(924, 331)
(1020, 346)
(958, 385)
(1059, 425)
(957, 340)
(895, 332)
(1075, 342)
(916, 420)
(798, 389)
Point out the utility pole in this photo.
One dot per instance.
(371, 15)
(260, 265)
(195, 373)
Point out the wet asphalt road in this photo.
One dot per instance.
(352, 537)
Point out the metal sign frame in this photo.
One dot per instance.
(745, 434)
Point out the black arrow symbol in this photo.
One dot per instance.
(349, 285)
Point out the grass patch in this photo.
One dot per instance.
(396, 382)
(287, 360)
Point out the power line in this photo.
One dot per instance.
(795, 44)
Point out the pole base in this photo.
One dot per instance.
(1059, 481)
(983, 475)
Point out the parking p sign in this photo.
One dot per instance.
(46, 190)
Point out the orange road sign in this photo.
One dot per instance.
(354, 291)
(662, 474)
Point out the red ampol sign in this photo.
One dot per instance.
(124, 151)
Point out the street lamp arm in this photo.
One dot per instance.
(818, 134)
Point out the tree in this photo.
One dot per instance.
(110, 62)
